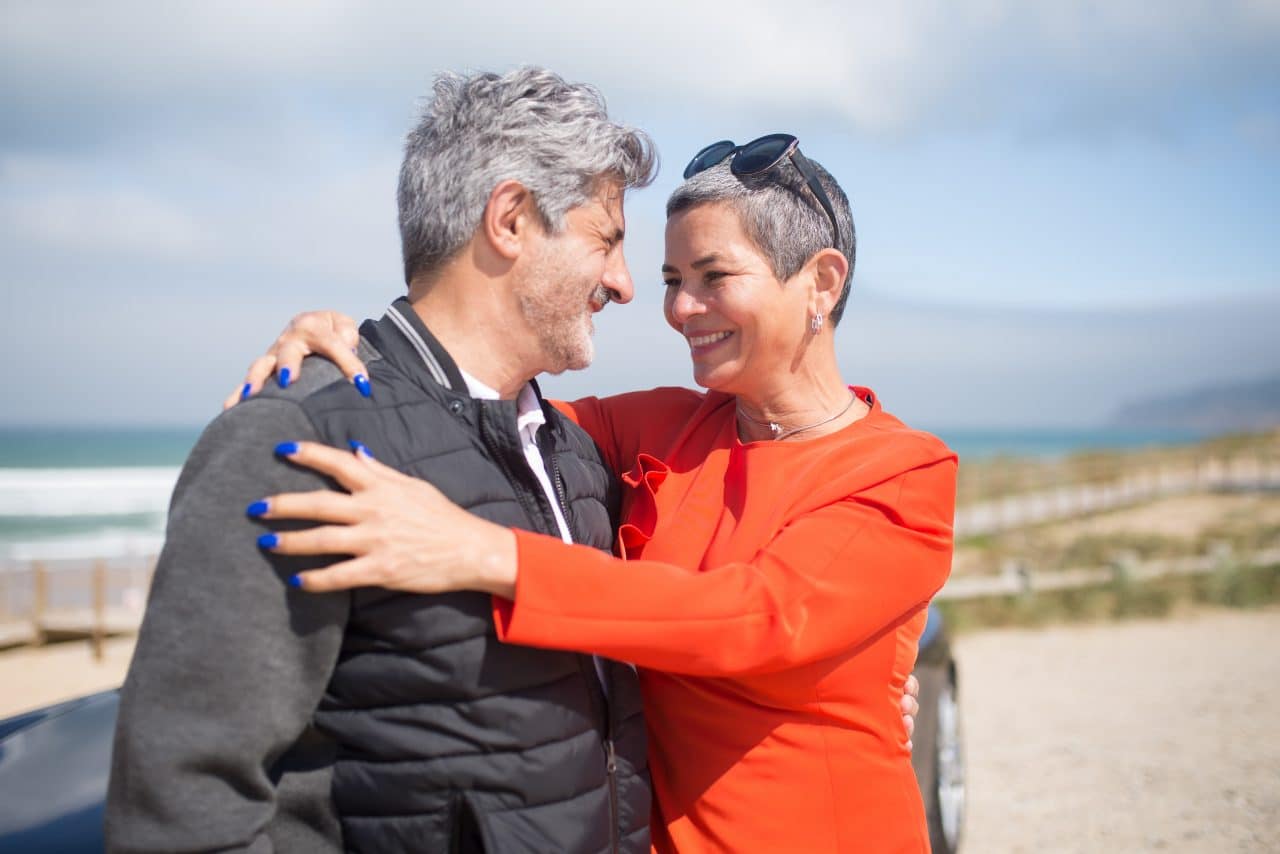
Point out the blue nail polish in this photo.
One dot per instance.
(268, 541)
(362, 384)
(359, 448)
(256, 509)
(284, 377)
(245, 392)
(286, 449)
(295, 581)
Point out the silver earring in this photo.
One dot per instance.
(815, 323)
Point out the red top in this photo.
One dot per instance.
(772, 595)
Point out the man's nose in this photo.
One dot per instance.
(617, 278)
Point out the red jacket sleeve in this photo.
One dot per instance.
(828, 581)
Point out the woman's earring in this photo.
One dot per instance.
(815, 323)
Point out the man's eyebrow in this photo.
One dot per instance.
(667, 268)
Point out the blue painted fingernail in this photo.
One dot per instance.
(246, 391)
(268, 541)
(359, 448)
(362, 384)
(295, 581)
(256, 509)
(284, 377)
(286, 449)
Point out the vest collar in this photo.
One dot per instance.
(414, 348)
(406, 340)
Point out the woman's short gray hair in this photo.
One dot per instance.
(528, 125)
(779, 213)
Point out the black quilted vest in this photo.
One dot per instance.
(449, 740)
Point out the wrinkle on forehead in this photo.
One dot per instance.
(710, 234)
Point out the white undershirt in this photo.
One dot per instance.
(529, 417)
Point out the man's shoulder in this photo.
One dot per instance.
(318, 378)
(571, 438)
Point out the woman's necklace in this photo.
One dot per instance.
(779, 432)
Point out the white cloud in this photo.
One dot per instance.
(888, 67)
(56, 205)
(261, 140)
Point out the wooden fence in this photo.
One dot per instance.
(49, 600)
(1054, 503)
(55, 600)
(1017, 580)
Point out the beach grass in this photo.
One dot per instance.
(1233, 585)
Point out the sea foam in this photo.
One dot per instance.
(85, 491)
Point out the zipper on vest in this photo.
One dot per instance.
(611, 765)
(534, 511)
(610, 751)
(558, 482)
(596, 692)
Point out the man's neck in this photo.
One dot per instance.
(471, 320)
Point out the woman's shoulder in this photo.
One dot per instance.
(892, 435)
(881, 448)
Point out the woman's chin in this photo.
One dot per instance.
(714, 377)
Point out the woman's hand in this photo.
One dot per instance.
(910, 705)
(320, 333)
(401, 532)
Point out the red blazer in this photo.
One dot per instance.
(772, 595)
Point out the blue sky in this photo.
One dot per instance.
(1060, 207)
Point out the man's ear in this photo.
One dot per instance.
(829, 268)
(509, 216)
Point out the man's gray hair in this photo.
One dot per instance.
(779, 214)
(528, 125)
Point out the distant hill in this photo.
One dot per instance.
(1224, 408)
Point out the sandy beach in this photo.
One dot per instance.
(37, 676)
(1124, 737)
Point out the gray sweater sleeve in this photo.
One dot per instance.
(231, 661)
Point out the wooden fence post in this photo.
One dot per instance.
(99, 608)
(39, 601)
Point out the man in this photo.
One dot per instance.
(257, 717)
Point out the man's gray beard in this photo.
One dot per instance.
(555, 313)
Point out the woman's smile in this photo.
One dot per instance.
(703, 343)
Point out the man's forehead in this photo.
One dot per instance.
(611, 196)
(606, 206)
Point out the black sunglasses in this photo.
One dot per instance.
(761, 155)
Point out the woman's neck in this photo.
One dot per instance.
(804, 407)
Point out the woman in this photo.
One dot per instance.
(782, 537)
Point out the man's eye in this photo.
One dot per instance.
(671, 283)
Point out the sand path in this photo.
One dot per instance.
(31, 677)
(1140, 736)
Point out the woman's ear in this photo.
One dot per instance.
(829, 268)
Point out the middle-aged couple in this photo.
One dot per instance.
(435, 667)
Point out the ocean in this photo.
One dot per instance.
(80, 493)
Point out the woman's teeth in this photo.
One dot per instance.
(704, 340)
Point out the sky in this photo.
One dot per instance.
(1061, 207)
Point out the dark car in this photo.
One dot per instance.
(937, 753)
(54, 762)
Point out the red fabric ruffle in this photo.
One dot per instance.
(640, 505)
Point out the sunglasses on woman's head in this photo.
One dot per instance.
(761, 155)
